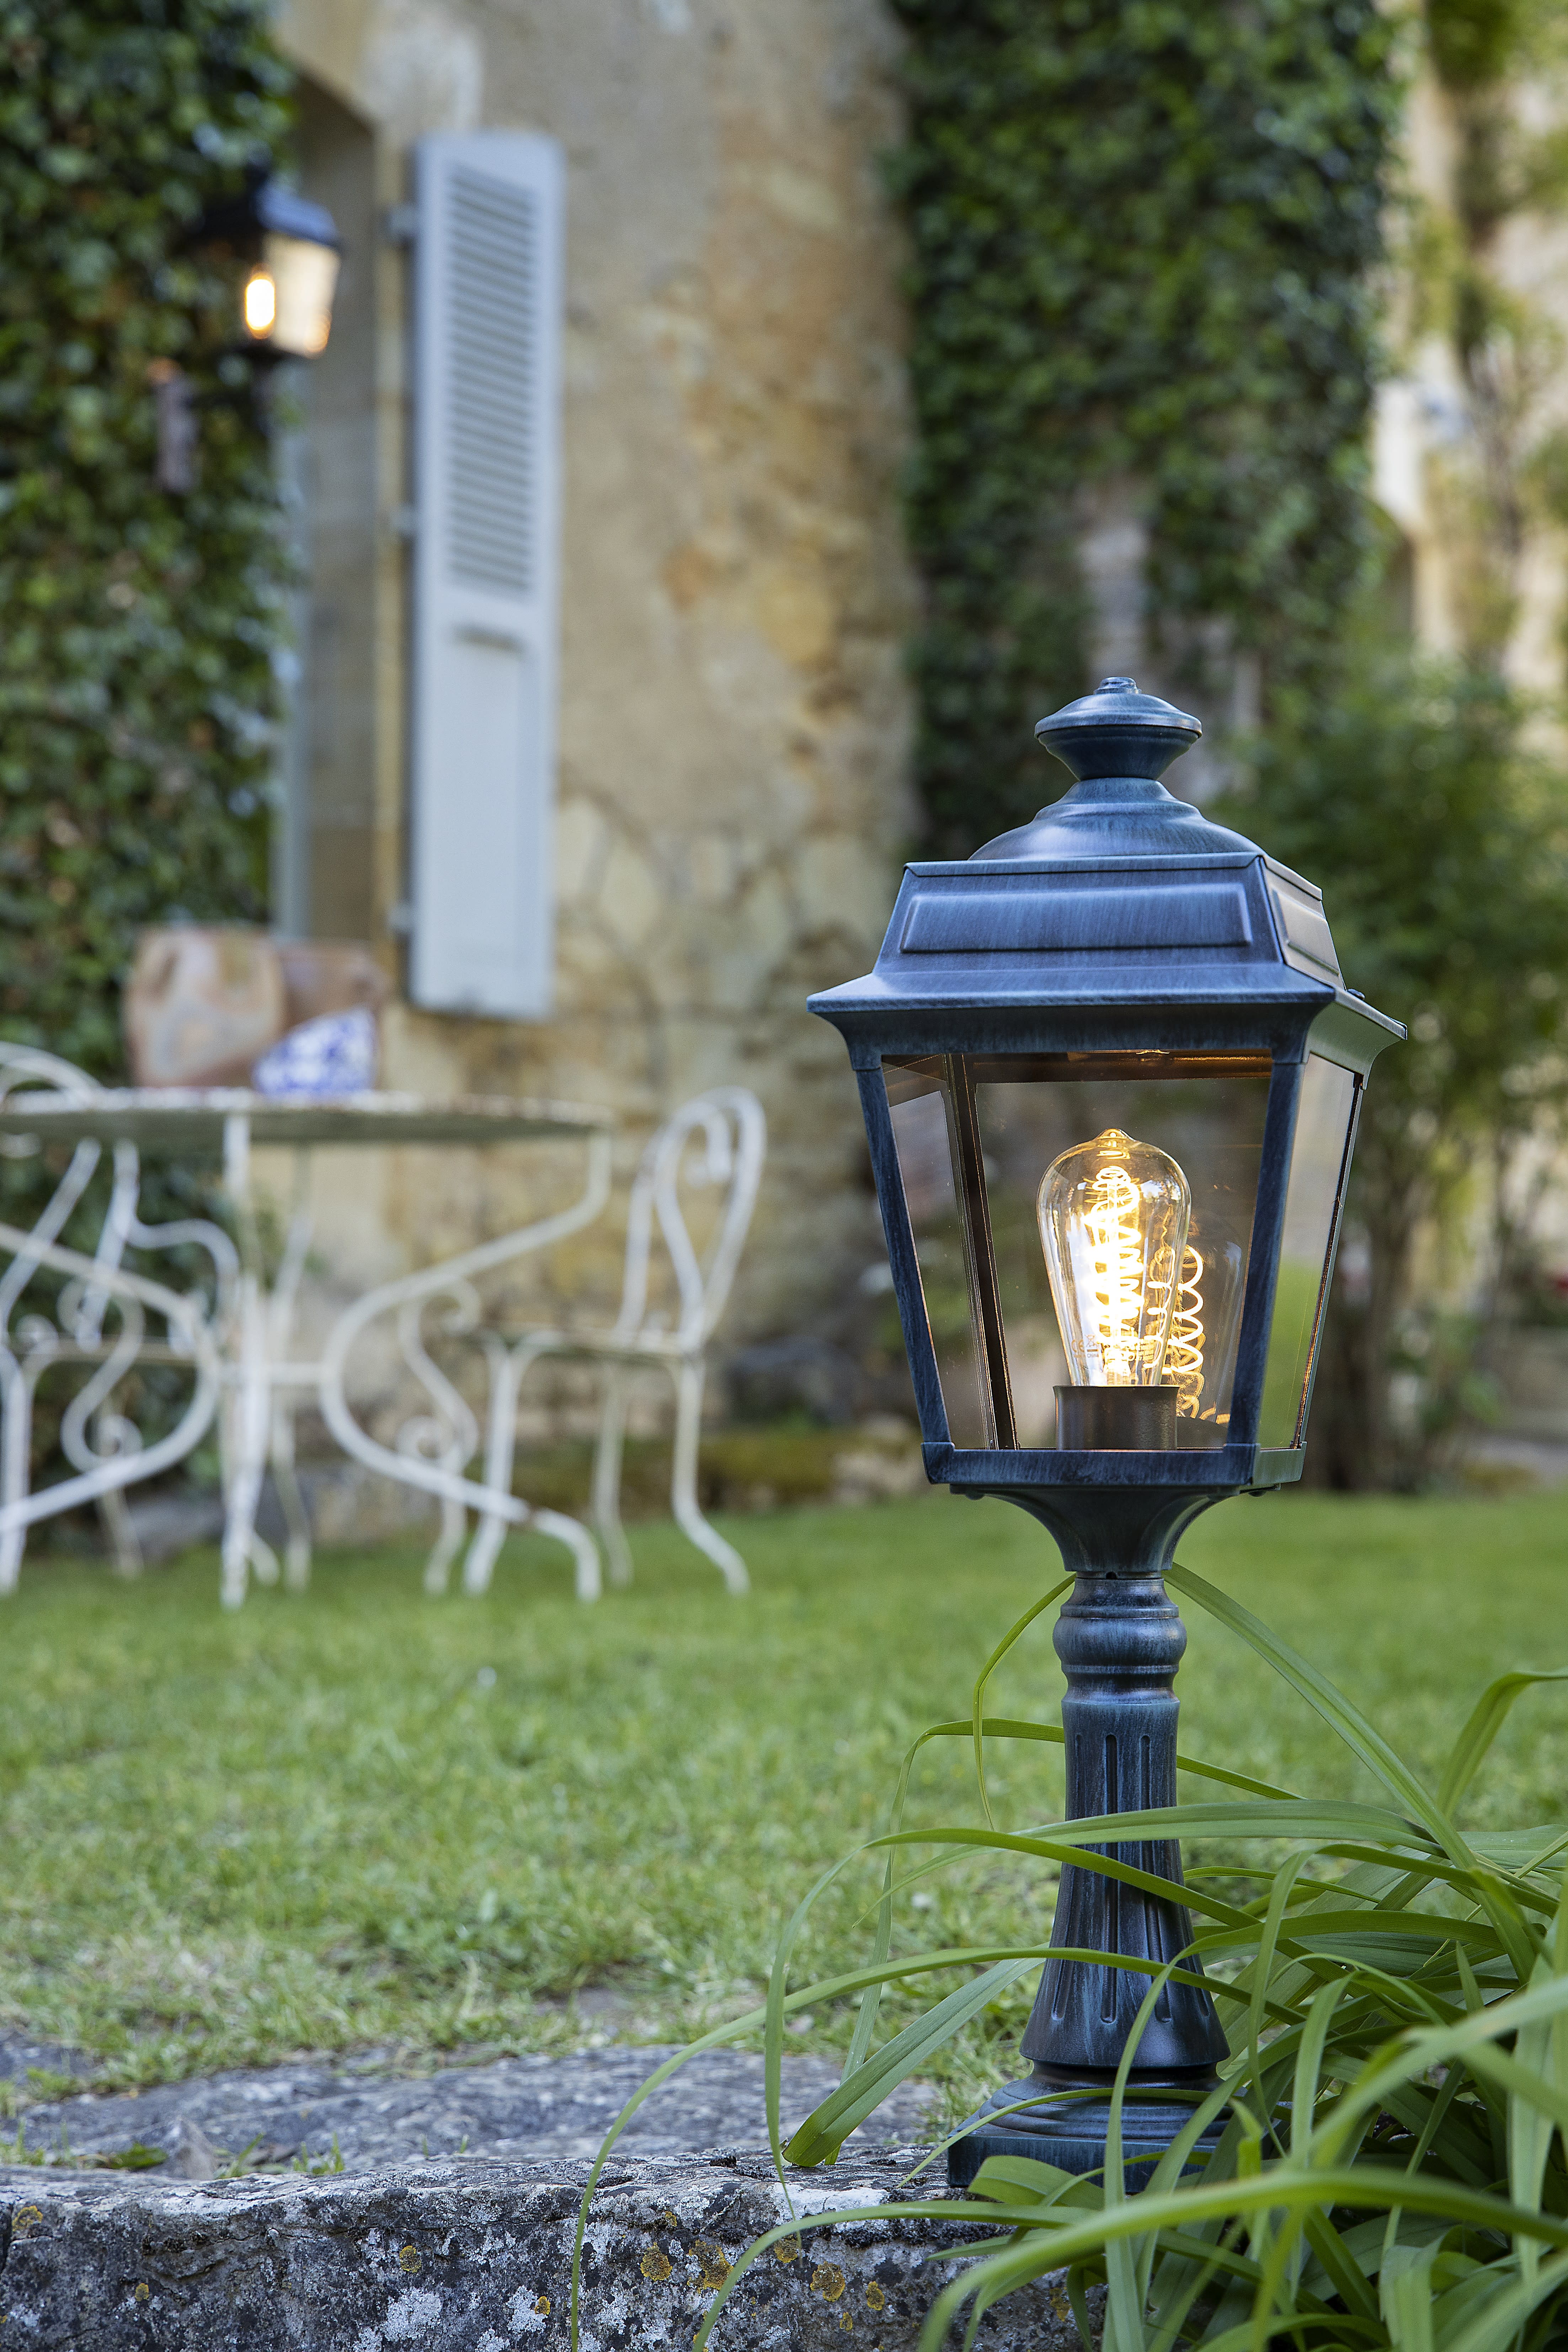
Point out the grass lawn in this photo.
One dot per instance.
(366, 1817)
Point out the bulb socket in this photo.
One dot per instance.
(1134, 1419)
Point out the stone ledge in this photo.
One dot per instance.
(473, 2255)
(526, 2109)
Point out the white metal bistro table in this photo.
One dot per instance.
(238, 1348)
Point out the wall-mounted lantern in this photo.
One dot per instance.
(292, 252)
(1110, 1078)
(286, 302)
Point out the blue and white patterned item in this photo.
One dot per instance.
(333, 1055)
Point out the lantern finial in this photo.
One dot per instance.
(1117, 731)
(1116, 742)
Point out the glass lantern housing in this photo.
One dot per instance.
(1110, 1075)
(291, 254)
(286, 302)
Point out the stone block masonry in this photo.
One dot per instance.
(475, 2256)
(734, 719)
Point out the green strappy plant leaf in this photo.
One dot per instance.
(1389, 2173)
(1486, 1718)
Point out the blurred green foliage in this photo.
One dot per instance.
(137, 628)
(1477, 42)
(1442, 843)
(1447, 845)
(1143, 243)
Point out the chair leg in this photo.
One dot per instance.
(243, 1549)
(296, 1518)
(245, 1553)
(479, 1566)
(234, 1572)
(234, 1559)
(607, 1456)
(114, 1518)
(447, 1546)
(683, 1482)
(279, 1327)
(16, 1462)
(500, 1442)
(580, 1544)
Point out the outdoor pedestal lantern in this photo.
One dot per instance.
(1110, 1078)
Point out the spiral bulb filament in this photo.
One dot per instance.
(1113, 1216)
(1185, 1356)
(1110, 1208)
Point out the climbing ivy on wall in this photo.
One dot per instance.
(1502, 482)
(136, 624)
(1144, 240)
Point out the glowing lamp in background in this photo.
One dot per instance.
(286, 302)
(1110, 1075)
(290, 254)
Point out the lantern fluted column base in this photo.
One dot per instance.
(1119, 1639)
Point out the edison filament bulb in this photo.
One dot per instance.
(1114, 1216)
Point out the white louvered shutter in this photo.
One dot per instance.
(486, 325)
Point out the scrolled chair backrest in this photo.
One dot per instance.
(727, 1125)
(41, 1072)
(25, 1070)
(28, 1069)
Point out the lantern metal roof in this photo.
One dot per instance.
(1118, 900)
(268, 207)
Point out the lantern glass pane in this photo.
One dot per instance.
(304, 277)
(1206, 1111)
(1212, 1126)
(1320, 1161)
(919, 1105)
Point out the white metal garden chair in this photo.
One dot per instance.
(718, 1138)
(100, 1322)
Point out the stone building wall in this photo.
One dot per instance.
(1429, 458)
(1428, 453)
(733, 716)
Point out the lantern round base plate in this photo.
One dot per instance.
(1070, 2133)
(1140, 1419)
